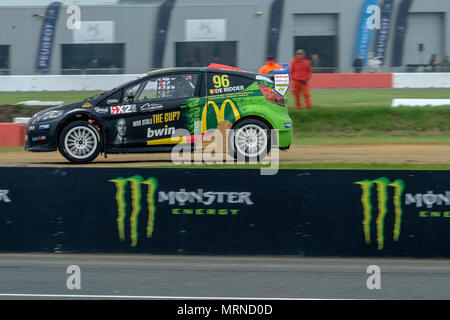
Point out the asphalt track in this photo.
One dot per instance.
(437, 153)
(43, 276)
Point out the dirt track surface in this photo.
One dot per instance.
(368, 153)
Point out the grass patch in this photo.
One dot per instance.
(6, 149)
(361, 98)
(67, 97)
(367, 116)
(350, 122)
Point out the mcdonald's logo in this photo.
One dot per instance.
(382, 185)
(219, 112)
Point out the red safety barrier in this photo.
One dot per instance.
(351, 80)
(12, 134)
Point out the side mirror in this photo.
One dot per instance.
(111, 101)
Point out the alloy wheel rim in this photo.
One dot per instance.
(80, 142)
(251, 140)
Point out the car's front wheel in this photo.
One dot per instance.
(79, 142)
(250, 140)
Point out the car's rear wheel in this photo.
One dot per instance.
(250, 140)
(79, 142)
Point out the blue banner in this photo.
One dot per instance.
(47, 36)
(364, 38)
(383, 33)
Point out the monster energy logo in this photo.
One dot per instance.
(382, 185)
(136, 183)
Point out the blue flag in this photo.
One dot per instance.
(364, 38)
(47, 36)
(384, 31)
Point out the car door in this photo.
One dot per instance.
(119, 114)
(164, 104)
(226, 95)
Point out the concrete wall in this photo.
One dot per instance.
(106, 82)
(247, 24)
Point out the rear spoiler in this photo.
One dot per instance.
(281, 79)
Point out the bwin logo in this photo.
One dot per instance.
(151, 133)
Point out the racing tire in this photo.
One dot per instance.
(79, 142)
(249, 140)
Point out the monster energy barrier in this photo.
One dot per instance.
(315, 213)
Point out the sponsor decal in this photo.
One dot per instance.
(219, 112)
(86, 105)
(4, 196)
(384, 188)
(263, 78)
(160, 132)
(144, 122)
(128, 108)
(151, 107)
(281, 77)
(166, 117)
(288, 125)
(44, 127)
(121, 128)
(101, 110)
(204, 202)
(39, 138)
(382, 185)
(226, 90)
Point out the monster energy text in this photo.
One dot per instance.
(173, 198)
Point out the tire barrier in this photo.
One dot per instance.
(351, 80)
(227, 212)
(12, 134)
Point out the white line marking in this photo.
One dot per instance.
(143, 297)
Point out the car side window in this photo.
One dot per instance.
(114, 98)
(131, 93)
(220, 83)
(170, 86)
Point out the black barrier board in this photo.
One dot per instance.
(209, 211)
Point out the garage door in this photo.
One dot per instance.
(315, 24)
(426, 29)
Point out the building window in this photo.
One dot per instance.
(321, 50)
(93, 58)
(201, 54)
(4, 59)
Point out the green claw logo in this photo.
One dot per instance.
(136, 184)
(382, 185)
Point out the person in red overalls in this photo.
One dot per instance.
(300, 72)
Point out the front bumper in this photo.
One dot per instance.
(40, 140)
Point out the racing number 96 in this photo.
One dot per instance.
(221, 81)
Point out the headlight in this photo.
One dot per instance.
(51, 114)
(48, 115)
